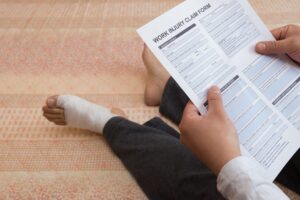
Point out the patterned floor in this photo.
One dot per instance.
(83, 47)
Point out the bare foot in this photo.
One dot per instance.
(56, 114)
(156, 79)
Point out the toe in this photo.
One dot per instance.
(53, 116)
(48, 110)
(60, 122)
(51, 101)
(58, 119)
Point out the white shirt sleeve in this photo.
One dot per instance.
(242, 179)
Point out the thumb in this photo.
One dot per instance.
(273, 47)
(215, 103)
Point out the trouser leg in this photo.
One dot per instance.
(173, 101)
(161, 165)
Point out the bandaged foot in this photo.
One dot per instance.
(78, 113)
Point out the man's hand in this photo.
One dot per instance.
(288, 42)
(212, 138)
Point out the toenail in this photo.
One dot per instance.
(51, 102)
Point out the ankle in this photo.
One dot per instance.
(82, 114)
(118, 111)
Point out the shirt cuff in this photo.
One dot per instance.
(236, 166)
(230, 176)
(244, 178)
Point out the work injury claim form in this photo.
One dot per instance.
(211, 42)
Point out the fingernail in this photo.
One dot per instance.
(261, 46)
(215, 89)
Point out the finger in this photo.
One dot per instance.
(280, 33)
(273, 47)
(215, 103)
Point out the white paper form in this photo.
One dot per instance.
(211, 42)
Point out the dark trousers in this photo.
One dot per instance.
(162, 166)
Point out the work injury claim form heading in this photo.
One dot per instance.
(211, 42)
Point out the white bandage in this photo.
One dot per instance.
(82, 114)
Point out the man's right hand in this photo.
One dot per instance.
(211, 137)
(288, 42)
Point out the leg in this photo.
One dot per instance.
(173, 101)
(162, 166)
(159, 124)
(163, 90)
(156, 78)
